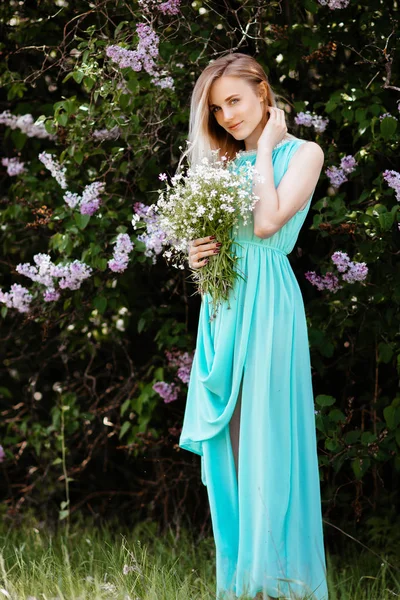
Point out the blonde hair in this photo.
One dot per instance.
(205, 134)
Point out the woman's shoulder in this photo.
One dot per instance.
(309, 148)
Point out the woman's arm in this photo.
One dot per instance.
(277, 205)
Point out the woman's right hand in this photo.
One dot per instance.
(200, 249)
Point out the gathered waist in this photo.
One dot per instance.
(254, 243)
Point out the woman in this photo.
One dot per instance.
(250, 407)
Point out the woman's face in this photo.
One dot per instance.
(233, 102)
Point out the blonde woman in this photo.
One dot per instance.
(250, 405)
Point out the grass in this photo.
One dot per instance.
(93, 563)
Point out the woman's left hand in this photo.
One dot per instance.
(274, 131)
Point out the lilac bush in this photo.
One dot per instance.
(349, 270)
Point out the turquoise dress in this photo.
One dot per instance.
(267, 521)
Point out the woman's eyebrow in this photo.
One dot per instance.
(226, 100)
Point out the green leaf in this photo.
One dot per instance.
(388, 127)
(78, 157)
(141, 324)
(337, 415)
(330, 106)
(392, 416)
(368, 437)
(385, 353)
(78, 76)
(81, 220)
(5, 392)
(323, 400)
(56, 461)
(63, 514)
(62, 119)
(386, 220)
(360, 466)
(100, 302)
(351, 437)
(125, 406)
(125, 427)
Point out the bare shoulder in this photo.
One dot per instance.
(311, 151)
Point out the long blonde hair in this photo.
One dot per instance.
(205, 134)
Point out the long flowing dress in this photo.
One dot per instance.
(266, 511)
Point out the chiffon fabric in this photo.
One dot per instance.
(266, 514)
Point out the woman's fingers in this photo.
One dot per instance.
(200, 249)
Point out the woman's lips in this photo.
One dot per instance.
(236, 126)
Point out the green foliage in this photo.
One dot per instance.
(103, 345)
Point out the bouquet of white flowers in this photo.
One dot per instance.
(209, 200)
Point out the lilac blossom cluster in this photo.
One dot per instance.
(89, 202)
(337, 175)
(14, 166)
(143, 57)
(123, 246)
(153, 238)
(311, 120)
(56, 170)
(334, 4)
(393, 179)
(381, 117)
(182, 360)
(46, 273)
(26, 124)
(18, 297)
(167, 391)
(2, 454)
(351, 272)
(106, 134)
(170, 7)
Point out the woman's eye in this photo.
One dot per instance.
(233, 100)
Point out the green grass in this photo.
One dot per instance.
(92, 563)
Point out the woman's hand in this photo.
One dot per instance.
(200, 248)
(274, 131)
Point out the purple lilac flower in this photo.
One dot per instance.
(182, 360)
(319, 123)
(143, 57)
(170, 7)
(120, 259)
(90, 207)
(106, 134)
(304, 118)
(26, 124)
(329, 281)
(18, 297)
(167, 391)
(381, 117)
(348, 163)
(341, 260)
(336, 176)
(72, 275)
(393, 179)
(51, 295)
(89, 202)
(45, 273)
(54, 167)
(14, 166)
(311, 120)
(154, 238)
(2, 454)
(356, 272)
(334, 4)
(72, 200)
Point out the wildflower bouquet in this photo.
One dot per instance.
(209, 200)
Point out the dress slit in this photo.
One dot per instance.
(234, 428)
